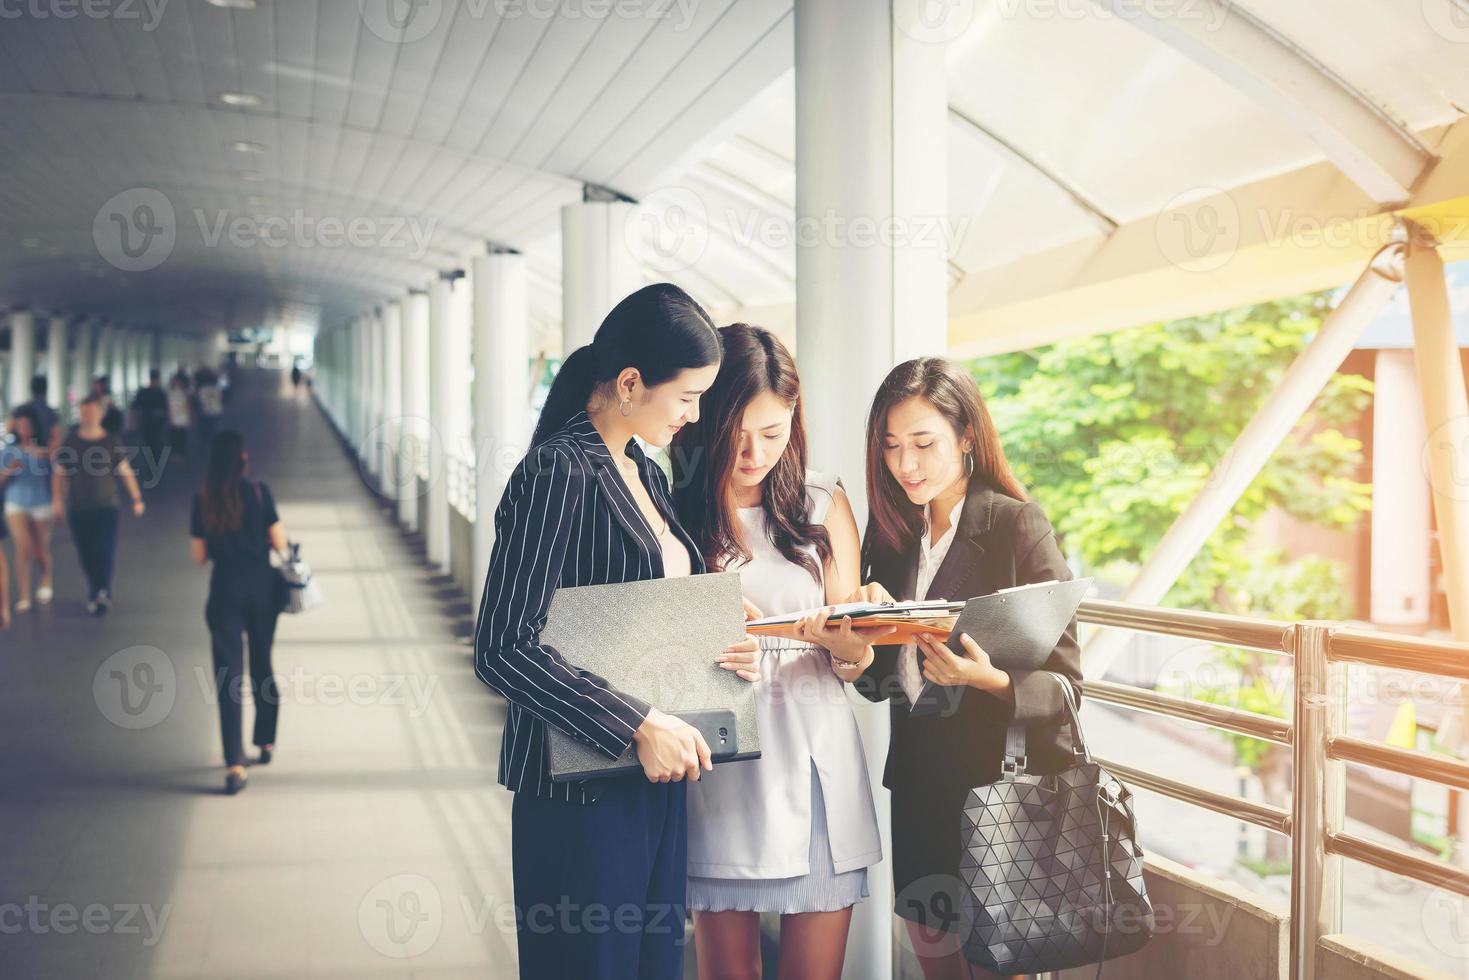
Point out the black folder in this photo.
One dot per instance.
(1017, 627)
(656, 640)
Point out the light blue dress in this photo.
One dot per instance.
(795, 830)
(30, 487)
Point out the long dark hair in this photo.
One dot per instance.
(704, 454)
(660, 330)
(29, 412)
(220, 506)
(894, 520)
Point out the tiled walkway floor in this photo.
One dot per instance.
(375, 845)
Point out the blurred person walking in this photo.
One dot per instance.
(151, 404)
(25, 461)
(234, 524)
(180, 416)
(85, 472)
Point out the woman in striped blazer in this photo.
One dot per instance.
(599, 866)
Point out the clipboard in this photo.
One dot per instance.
(656, 640)
(1017, 627)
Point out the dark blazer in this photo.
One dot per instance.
(1001, 542)
(566, 519)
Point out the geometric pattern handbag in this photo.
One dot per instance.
(1052, 875)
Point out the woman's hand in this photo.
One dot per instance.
(850, 647)
(871, 592)
(752, 611)
(743, 658)
(942, 667)
(138, 507)
(58, 511)
(670, 749)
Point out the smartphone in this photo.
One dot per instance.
(720, 731)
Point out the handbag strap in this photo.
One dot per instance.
(1015, 761)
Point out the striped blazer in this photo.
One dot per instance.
(566, 518)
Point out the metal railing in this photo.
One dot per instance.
(1319, 653)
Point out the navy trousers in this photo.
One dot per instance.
(243, 603)
(600, 890)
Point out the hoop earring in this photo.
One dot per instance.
(969, 464)
(625, 408)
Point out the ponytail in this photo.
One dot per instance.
(660, 330)
(570, 390)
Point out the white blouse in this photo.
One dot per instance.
(930, 557)
(753, 819)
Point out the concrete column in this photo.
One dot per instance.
(372, 439)
(121, 354)
(22, 358)
(501, 397)
(81, 370)
(598, 268)
(1401, 533)
(436, 518)
(416, 434)
(57, 341)
(1445, 404)
(461, 329)
(102, 352)
(395, 469)
(360, 361)
(871, 289)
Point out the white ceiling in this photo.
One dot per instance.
(1064, 122)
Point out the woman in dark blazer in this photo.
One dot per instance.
(945, 512)
(599, 866)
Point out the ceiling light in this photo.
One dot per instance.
(237, 4)
(30, 243)
(247, 146)
(251, 177)
(246, 99)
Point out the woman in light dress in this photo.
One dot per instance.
(793, 832)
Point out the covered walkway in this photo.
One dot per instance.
(376, 834)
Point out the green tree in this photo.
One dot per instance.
(1115, 434)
